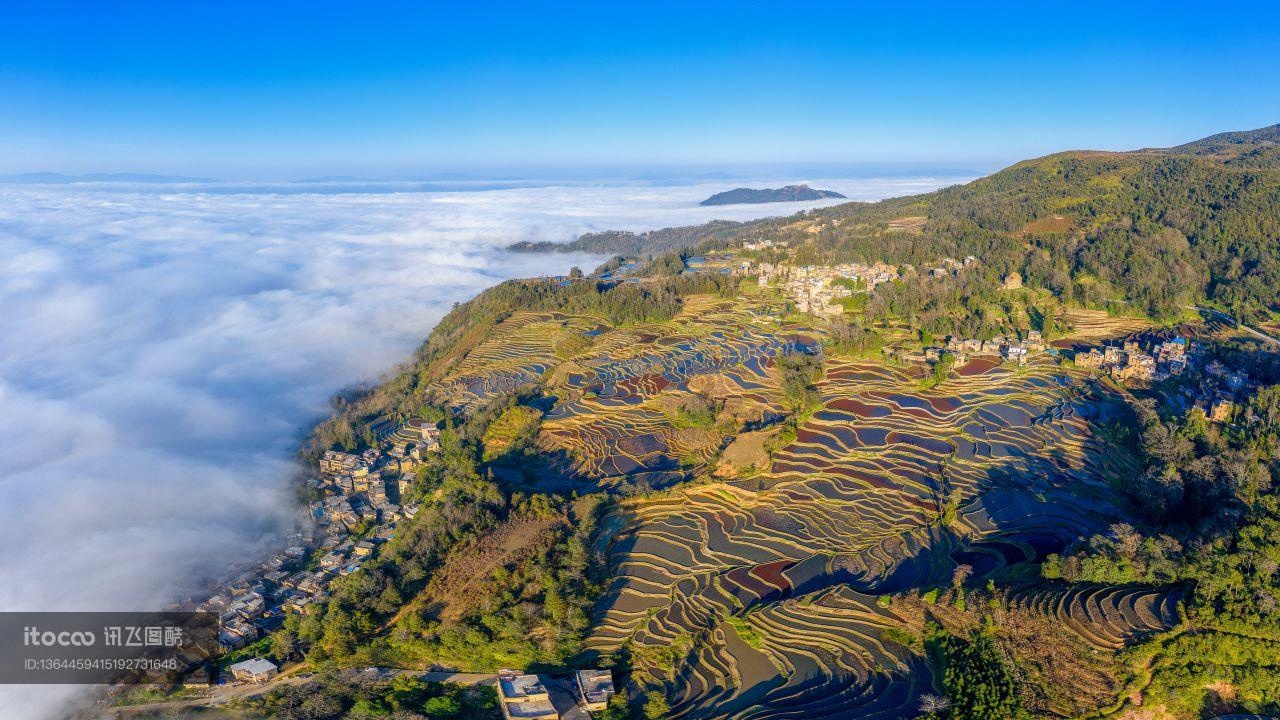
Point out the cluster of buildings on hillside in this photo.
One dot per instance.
(360, 501)
(361, 498)
(949, 267)
(528, 697)
(1011, 349)
(765, 244)
(1217, 390)
(1222, 392)
(1130, 361)
(819, 289)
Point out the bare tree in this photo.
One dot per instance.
(930, 703)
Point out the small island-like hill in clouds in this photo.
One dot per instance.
(790, 193)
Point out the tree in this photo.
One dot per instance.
(284, 644)
(1048, 327)
(799, 371)
(655, 706)
(977, 680)
(444, 707)
(930, 703)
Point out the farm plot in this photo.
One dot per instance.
(518, 351)
(618, 410)
(885, 488)
(1106, 616)
(820, 655)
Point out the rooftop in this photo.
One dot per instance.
(515, 687)
(256, 666)
(530, 709)
(597, 685)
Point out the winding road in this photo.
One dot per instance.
(1239, 325)
(224, 694)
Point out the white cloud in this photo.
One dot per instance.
(162, 353)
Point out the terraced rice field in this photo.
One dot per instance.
(754, 598)
(615, 400)
(1097, 325)
(1107, 616)
(518, 352)
(851, 509)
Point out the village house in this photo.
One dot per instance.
(1112, 356)
(1134, 366)
(313, 582)
(596, 687)
(1221, 410)
(423, 432)
(964, 345)
(236, 634)
(332, 560)
(338, 463)
(1013, 352)
(257, 670)
(246, 607)
(524, 697)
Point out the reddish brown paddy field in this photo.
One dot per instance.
(978, 366)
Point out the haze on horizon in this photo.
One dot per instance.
(294, 90)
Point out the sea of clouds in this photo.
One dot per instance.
(164, 349)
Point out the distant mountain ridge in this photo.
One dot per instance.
(52, 178)
(789, 193)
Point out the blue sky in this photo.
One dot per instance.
(283, 89)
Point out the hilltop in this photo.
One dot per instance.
(1232, 144)
(790, 193)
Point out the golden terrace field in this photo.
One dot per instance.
(770, 582)
(798, 588)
